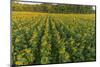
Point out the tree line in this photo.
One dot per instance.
(53, 8)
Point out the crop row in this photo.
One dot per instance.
(52, 38)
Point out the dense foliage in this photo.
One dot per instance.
(43, 38)
(53, 8)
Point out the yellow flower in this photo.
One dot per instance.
(18, 63)
(27, 50)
